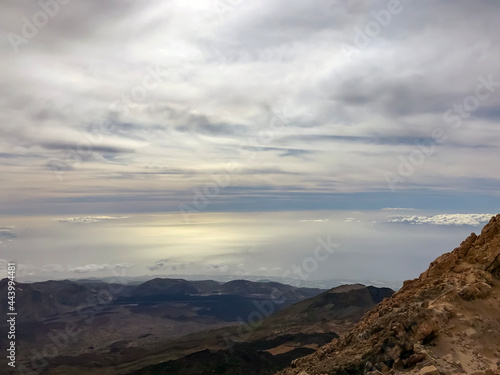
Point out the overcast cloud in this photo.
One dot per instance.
(146, 101)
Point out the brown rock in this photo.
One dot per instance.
(475, 291)
(415, 358)
(426, 329)
(398, 365)
(421, 365)
(383, 368)
(429, 370)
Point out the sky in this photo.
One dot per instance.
(244, 118)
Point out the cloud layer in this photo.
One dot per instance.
(7, 233)
(444, 219)
(124, 107)
(90, 268)
(90, 219)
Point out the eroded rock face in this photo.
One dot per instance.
(475, 291)
(445, 322)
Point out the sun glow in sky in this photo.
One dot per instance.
(381, 245)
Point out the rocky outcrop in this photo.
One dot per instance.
(445, 322)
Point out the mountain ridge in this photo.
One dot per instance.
(447, 321)
(335, 310)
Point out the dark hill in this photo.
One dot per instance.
(335, 310)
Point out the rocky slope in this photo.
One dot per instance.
(335, 310)
(445, 322)
(248, 358)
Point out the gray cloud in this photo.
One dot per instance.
(167, 265)
(220, 80)
(90, 219)
(444, 219)
(283, 152)
(7, 233)
(88, 268)
(202, 125)
(107, 149)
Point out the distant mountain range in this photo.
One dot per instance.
(41, 300)
(297, 282)
(129, 328)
